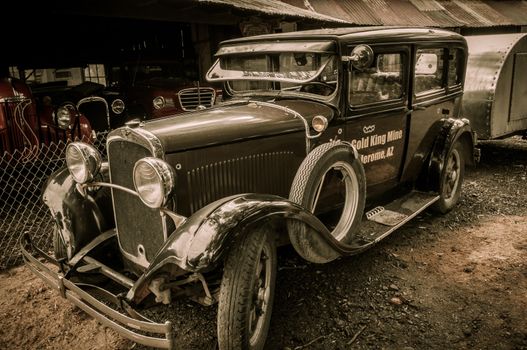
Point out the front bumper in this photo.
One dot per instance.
(161, 335)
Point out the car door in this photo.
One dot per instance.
(436, 92)
(376, 116)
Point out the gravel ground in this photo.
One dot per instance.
(456, 281)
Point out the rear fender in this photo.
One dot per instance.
(451, 131)
(79, 218)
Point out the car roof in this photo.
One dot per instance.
(360, 34)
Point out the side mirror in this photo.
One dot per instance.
(361, 57)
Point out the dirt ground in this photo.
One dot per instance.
(457, 281)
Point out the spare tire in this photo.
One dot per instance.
(331, 166)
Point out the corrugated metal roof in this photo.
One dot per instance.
(444, 19)
(297, 3)
(354, 12)
(384, 12)
(463, 17)
(493, 16)
(471, 7)
(273, 7)
(427, 5)
(431, 13)
(514, 11)
(410, 14)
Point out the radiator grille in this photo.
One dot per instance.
(193, 97)
(260, 173)
(136, 223)
(96, 113)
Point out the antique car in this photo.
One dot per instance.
(103, 109)
(329, 140)
(155, 88)
(496, 85)
(25, 123)
(144, 90)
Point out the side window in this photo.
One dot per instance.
(380, 82)
(428, 70)
(454, 67)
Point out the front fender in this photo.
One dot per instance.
(79, 218)
(451, 131)
(200, 243)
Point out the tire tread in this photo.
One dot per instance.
(236, 288)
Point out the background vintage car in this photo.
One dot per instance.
(156, 88)
(26, 121)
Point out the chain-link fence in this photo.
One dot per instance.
(23, 174)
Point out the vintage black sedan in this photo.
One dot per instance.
(328, 139)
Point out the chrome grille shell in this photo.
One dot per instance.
(191, 98)
(140, 230)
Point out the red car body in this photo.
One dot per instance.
(154, 89)
(24, 125)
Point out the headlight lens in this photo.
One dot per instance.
(118, 106)
(83, 161)
(159, 102)
(64, 115)
(319, 123)
(154, 181)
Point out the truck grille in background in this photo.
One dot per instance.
(96, 112)
(191, 98)
(136, 223)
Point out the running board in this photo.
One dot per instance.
(382, 221)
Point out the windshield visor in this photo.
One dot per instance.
(291, 71)
(290, 67)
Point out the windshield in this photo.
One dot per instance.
(272, 73)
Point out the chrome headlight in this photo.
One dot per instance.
(63, 116)
(118, 106)
(159, 102)
(154, 181)
(319, 123)
(83, 160)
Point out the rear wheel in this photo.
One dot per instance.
(247, 292)
(452, 176)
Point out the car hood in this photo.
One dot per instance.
(234, 121)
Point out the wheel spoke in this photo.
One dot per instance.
(452, 171)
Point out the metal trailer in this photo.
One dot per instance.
(495, 98)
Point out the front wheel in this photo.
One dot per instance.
(247, 292)
(452, 176)
(59, 247)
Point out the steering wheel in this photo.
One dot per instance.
(317, 87)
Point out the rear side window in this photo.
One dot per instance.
(380, 82)
(428, 70)
(455, 67)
